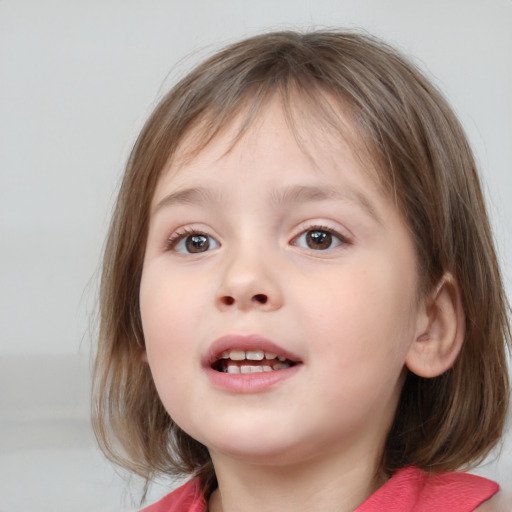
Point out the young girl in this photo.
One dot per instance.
(301, 305)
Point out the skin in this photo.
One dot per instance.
(350, 313)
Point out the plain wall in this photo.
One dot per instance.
(77, 80)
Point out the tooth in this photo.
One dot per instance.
(281, 366)
(225, 355)
(254, 355)
(266, 368)
(269, 355)
(250, 369)
(237, 355)
(233, 368)
(281, 358)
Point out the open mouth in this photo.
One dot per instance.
(250, 361)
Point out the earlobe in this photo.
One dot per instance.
(144, 356)
(441, 331)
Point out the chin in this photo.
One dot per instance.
(257, 449)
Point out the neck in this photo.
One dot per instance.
(307, 486)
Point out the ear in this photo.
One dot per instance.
(143, 357)
(440, 332)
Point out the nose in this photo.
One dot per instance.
(248, 282)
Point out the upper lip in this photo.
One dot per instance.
(244, 342)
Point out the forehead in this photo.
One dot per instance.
(321, 126)
(287, 162)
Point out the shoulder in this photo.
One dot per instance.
(414, 490)
(187, 498)
(458, 491)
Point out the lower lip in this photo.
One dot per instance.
(250, 382)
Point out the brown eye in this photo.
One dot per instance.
(319, 240)
(194, 243)
(197, 243)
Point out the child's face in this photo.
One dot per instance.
(270, 248)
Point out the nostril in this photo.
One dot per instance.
(227, 300)
(261, 298)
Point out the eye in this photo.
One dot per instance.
(192, 243)
(319, 239)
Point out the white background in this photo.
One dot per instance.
(77, 80)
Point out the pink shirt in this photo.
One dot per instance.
(408, 490)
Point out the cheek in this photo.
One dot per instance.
(163, 308)
(366, 315)
(167, 340)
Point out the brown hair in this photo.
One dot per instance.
(424, 160)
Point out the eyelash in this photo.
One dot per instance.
(182, 234)
(343, 240)
(177, 237)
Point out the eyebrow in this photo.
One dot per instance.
(308, 193)
(287, 196)
(193, 195)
